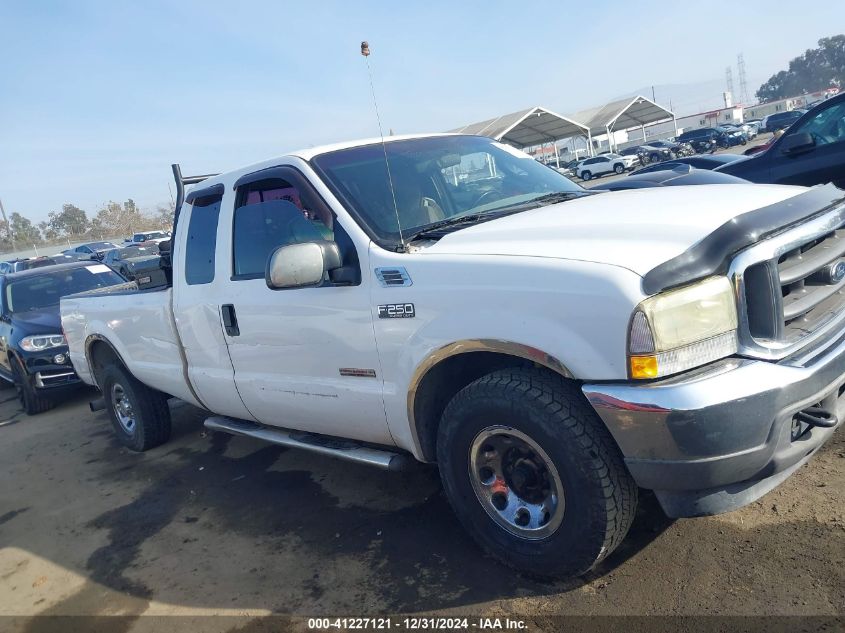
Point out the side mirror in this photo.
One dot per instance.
(301, 265)
(797, 143)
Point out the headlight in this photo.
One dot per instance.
(41, 342)
(681, 329)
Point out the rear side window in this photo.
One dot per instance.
(201, 243)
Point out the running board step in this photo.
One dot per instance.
(332, 446)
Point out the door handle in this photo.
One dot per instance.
(230, 320)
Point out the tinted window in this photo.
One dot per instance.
(273, 213)
(202, 240)
(45, 290)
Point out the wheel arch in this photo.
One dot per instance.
(98, 352)
(450, 368)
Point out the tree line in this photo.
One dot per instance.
(814, 70)
(73, 224)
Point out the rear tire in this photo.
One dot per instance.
(568, 450)
(31, 401)
(140, 415)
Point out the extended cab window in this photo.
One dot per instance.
(273, 212)
(202, 239)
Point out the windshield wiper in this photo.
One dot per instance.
(558, 196)
(436, 229)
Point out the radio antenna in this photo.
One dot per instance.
(365, 52)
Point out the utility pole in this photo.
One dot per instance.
(8, 227)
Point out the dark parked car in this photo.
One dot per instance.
(18, 265)
(126, 260)
(33, 351)
(677, 149)
(782, 120)
(702, 140)
(680, 175)
(811, 151)
(651, 154)
(699, 161)
(90, 251)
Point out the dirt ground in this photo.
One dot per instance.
(213, 524)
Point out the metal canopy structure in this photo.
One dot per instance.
(625, 114)
(538, 126)
(528, 128)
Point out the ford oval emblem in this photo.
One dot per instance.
(837, 272)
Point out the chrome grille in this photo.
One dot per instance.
(812, 284)
(791, 288)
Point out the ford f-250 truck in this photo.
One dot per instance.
(448, 298)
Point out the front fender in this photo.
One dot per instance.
(570, 316)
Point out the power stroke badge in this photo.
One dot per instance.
(397, 311)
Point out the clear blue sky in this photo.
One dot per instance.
(98, 98)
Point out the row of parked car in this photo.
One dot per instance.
(33, 351)
(808, 148)
(809, 152)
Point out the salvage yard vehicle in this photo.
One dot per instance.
(672, 175)
(810, 152)
(90, 251)
(33, 352)
(601, 166)
(699, 161)
(128, 260)
(448, 298)
(147, 238)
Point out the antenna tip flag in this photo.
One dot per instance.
(365, 49)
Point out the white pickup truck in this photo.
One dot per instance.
(449, 299)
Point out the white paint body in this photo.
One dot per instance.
(563, 279)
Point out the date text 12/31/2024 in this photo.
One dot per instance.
(416, 623)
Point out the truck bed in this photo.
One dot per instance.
(140, 329)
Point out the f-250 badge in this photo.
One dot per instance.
(397, 311)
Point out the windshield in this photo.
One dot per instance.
(42, 291)
(435, 179)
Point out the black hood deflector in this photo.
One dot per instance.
(711, 255)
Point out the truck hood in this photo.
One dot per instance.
(635, 229)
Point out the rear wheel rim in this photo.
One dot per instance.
(123, 409)
(516, 482)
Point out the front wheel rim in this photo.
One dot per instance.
(123, 410)
(516, 482)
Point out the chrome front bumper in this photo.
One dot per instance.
(715, 439)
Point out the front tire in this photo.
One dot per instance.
(586, 175)
(140, 415)
(619, 168)
(31, 401)
(533, 474)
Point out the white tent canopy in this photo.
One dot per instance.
(537, 126)
(527, 128)
(624, 114)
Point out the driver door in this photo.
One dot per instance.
(304, 358)
(825, 162)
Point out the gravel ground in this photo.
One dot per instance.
(213, 524)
